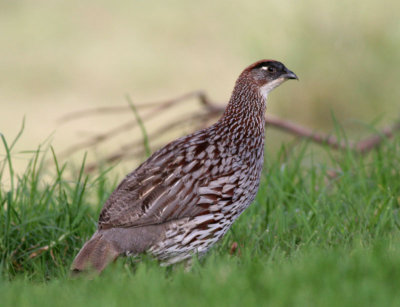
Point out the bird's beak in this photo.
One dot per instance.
(289, 75)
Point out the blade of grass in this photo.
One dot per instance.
(141, 125)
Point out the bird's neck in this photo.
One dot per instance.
(246, 110)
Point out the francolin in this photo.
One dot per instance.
(185, 197)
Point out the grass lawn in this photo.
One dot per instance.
(323, 231)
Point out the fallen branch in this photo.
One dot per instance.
(375, 140)
(210, 111)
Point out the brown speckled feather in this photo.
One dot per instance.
(181, 180)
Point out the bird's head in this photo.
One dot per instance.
(268, 74)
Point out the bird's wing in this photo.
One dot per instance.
(184, 179)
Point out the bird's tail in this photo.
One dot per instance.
(96, 254)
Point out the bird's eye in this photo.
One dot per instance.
(268, 68)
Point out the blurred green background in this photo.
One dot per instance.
(63, 56)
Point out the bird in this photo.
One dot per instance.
(184, 198)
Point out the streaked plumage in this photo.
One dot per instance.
(186, 196)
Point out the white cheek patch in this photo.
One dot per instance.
(265, 89)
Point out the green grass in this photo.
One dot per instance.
(309, 239)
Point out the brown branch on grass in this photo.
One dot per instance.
(360, 147)
(375, 140)
(210, 111)
(304, 132)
